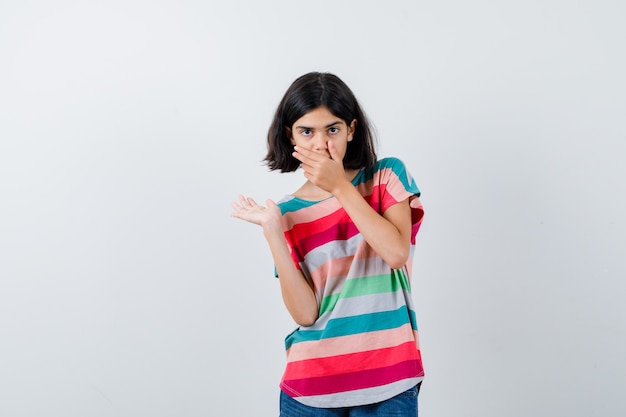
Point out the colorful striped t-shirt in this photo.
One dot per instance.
(364, 346)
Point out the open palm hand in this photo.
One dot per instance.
(247, 209)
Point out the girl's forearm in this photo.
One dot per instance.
(390, 240)
(298, 296)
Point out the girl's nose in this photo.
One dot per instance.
(321, 142)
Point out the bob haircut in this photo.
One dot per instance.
(307, 93)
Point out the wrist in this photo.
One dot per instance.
(342, 188)
(271, 227)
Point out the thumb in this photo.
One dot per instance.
(273, 206)
(332, 151)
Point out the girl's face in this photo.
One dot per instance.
(318, 127)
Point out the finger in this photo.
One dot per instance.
(243, 201)
(332, 151)
(298, 154)
(304, 155)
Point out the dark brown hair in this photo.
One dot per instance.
(307, 93)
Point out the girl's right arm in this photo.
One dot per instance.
(298, 296)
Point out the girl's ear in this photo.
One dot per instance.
(289, 135)
(351, 130)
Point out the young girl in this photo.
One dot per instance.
(342, 245)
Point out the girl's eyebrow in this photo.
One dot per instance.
(326, 127)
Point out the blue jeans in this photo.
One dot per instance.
(402, 405)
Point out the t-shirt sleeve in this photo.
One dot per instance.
(396, 184)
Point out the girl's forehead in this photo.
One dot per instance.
(318, 116)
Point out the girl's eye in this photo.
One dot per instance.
(333, 130)
(306, 132)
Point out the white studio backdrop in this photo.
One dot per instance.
(127, 127)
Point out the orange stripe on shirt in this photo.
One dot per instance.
(345, 344)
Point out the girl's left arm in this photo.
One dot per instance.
(389, 235)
